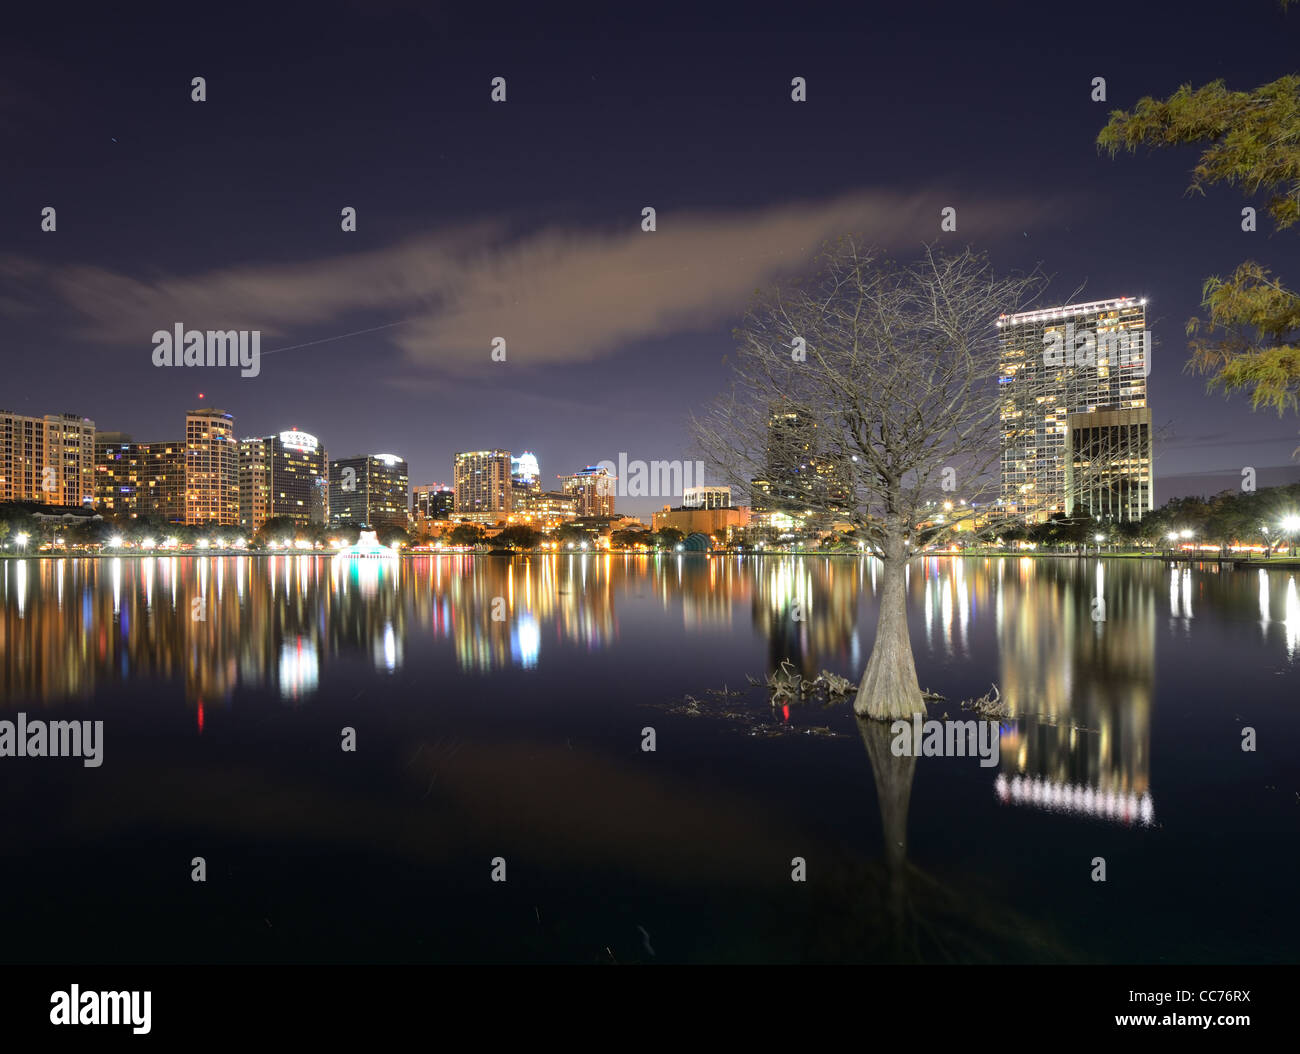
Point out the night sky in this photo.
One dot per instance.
(522, 219)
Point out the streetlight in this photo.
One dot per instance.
(21, 538)
(1290, 525)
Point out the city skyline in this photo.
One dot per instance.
(694, 484)
(388, 331)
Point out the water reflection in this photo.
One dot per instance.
(1074, 640)
(1077, 661)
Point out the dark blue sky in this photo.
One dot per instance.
(522, 219)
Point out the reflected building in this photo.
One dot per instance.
(1077, 673)
(807, 609)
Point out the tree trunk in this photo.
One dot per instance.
(889, 689)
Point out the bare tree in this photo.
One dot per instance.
(867, 395)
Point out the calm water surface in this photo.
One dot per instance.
(521, 739)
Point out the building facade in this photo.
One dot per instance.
(546, 510)
(432, 501)
(802, 479)
(706, 498)
(370, 489)
(211, 468)
(48, 459)
(278, 477)
(318, 514)
(482, 483)
(163, 489)
(1108, 465)
(119, 469)
(525, 478)
(718, 521)
(592, 490)
(1058, 362)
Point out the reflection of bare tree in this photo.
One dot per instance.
(893, 777)
(892, 911)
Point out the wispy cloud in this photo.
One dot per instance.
(556, 295)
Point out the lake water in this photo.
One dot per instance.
(224, 684)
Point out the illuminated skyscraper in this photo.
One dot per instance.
(370, 489)
(432, 501)
(1076, 429)
(162, 493)
(482, 482)
(49, 459)
(802, 477)
(592, 490)
(318, 512)
(119, 471)
(525, 479)
(277, 474)
(211, 468)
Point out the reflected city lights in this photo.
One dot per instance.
(1072, 798)
(299, 668)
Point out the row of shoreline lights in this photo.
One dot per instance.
(117, 542)
(1290, 525)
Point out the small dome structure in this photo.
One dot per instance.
(697, 543)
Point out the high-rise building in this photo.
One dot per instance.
(119, 467)
(318, 512)
(482, 482)
(178, 481)
(163, 489)
(211, 468)
(277, 476)
(49, 459)
(592, 490)
(1061, 364)
(545, 510)
(802, 478)
(254, 482)
(432, 501)
(1108, 465)
(370, 489)
(525, 478)
(706, 498)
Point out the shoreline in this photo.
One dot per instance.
(1233, 563)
